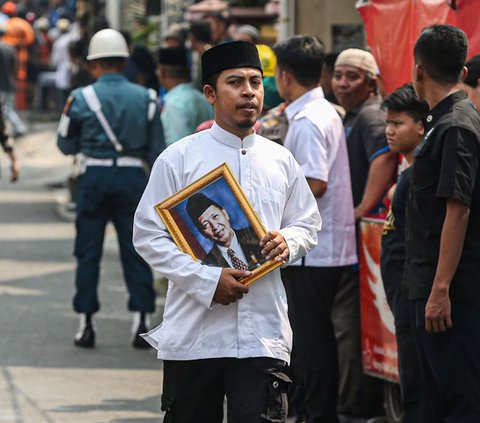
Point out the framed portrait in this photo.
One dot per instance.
(213, 221)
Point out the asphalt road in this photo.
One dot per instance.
(43, 377)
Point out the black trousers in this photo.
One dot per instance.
(194, 390)
(328, 378)
(450, 363)
(415, 405)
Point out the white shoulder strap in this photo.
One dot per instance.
(152, 105)
(95, 106)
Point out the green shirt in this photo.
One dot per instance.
(185, 108)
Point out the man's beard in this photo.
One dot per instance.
(246, 124)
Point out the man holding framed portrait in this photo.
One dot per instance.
(215, 340)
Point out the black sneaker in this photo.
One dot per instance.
(85, 338)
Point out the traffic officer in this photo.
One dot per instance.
(114, 128)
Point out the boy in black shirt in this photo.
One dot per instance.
(404, 131)
(442, 268)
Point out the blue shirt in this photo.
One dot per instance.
(185, 108)
(126, 108)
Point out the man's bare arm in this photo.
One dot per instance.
(317, 186)
(381, 176)
(437, 311)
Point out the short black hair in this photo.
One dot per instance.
(212, 80)
(196, 206)
(302, 55)
(76, 49)
(442, 50)
(473, 66)
(405, 99)
(329, 61)
(201, 31)
(111, 62)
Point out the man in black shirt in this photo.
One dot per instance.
(405, 115)
(442, 269)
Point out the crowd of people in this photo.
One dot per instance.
(316, 146)
(347, 139)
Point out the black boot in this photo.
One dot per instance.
(138, 341)
(85, 337)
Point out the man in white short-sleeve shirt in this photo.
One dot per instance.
(316, 139)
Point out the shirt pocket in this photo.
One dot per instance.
(272, 205)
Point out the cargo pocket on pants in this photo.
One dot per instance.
(277, 403)
(167, 407)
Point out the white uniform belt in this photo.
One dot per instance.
(124, 161)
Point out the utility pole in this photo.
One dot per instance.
(286, 26)
(112, 13)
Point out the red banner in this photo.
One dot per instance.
(393, 26)
(379, 346)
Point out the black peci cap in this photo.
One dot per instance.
(235, 54)
(197, 204)
(172, 56)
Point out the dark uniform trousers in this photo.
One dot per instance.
(326, 358)
(415, 407)
(109, 193)
(451, 364)
(194, 390)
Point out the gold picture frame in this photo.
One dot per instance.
(220, 188)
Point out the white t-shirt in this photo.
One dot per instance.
(316, 139)
(193, 326)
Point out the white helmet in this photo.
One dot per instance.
(107, 43)
(41, 24)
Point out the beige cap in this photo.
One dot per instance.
(358, 58)
(63, 25)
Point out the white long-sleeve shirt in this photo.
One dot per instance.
(193, 326)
